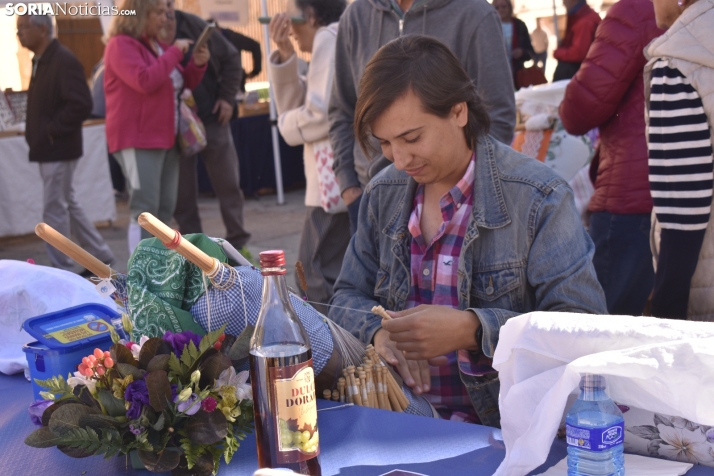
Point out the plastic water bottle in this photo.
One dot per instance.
(595, 431)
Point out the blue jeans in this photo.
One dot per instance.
(623, 260)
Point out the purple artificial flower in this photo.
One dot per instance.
(136, 430)
(36, 410)
(181, 339)
(137, 395)
(710, 435)
(190, 406)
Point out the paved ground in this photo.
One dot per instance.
(273, 226)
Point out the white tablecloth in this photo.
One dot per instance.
(21, 185)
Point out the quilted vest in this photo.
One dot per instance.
(688, 46)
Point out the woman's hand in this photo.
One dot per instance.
(279, 29)
(426, 331)
(183, 45)
(415, 373)
(201, 55)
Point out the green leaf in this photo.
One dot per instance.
(161, 462)
(159, 425)
(206, 428)
(176, 368)
(66, 418)
(151, 348)
(212, 367)
(112, 405)
(122, 355)
(211, 338)
(241, 347)
(42, 438)
(230, 446)
(159, 362)
(98, 422)
(56, 385)
(82, 442)
(114, 335)
(191, 451)
(157, 382)
(73, 452)
(128, 369)
(51, 409)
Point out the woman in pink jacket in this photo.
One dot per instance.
(143, 79)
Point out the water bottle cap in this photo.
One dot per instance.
(590, 382)
(269, 260)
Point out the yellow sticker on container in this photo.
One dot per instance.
(80, 332)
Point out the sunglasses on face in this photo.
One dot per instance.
(293, 20)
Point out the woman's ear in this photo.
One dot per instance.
(460, 113)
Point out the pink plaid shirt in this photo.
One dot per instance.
(434, 273)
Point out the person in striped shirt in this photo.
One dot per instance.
(681, 165)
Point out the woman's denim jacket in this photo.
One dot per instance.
(525, 249)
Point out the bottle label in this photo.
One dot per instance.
(296, 411)
(595, 439)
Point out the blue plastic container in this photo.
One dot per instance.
(64, 337)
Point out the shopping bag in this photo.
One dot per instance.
(330, 199)
(192, 132)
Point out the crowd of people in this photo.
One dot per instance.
(404, 109)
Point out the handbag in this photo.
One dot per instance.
(530, 77)
(192, 132)
(330, 199)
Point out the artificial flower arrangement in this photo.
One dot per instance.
(176, 402)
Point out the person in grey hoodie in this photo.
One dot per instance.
(470, 28)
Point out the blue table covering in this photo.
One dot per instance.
(354, 441)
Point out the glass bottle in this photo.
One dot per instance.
(283, 378)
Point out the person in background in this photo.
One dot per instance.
(99, 111)
(539, 40)
(515, 34)
(301, 100)
(58, 100)
(680, 123)
(245, 43)
(470, 28)
(579, 35)
(459, 235)
(215, 100)
(608, 92)
(142, 82)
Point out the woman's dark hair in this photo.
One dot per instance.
(431, 71)
(326, 11)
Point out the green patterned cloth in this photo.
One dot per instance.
(162, 286)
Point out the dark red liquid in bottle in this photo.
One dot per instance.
(267, 431)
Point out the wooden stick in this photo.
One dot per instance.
(71, 249)
(354, 385)
(393, 400)
(363, 389)
(371, 390)
(379, 310)
(403, 402)
(380, 389)
(341, 388)
(185, 248)
(348, 386)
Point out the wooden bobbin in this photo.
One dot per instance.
(326, 394)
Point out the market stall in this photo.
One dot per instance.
(21, 185)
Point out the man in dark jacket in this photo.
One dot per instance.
(244, 43)
(608, 92)
(215, 99)
(57, 103)
(579, 35)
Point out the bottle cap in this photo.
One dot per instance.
(272, 259)
(590, 382)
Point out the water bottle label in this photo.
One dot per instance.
(595, 439)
